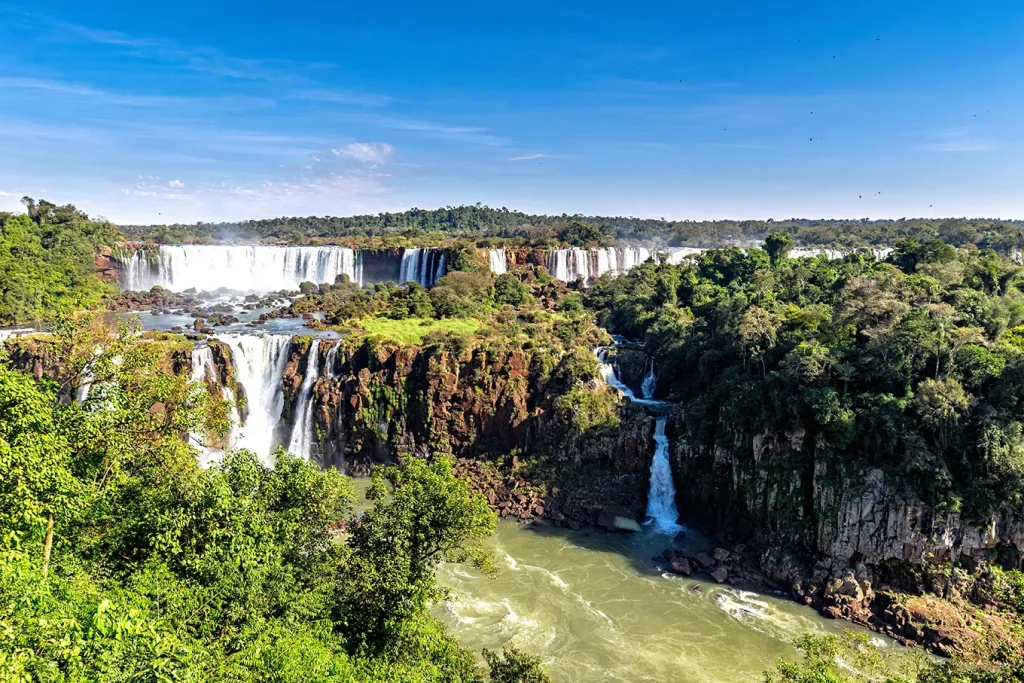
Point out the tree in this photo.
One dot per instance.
(778, 244)
(509, 290)
(581, 234)
(422, 515)
(514, 666)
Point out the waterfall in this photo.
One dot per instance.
(203, 369)
(609, 375)
(661, 499)
(650, 383)
(251, 268)
(499, 261)
(569, 264)
(330, 361)
(301, 443)
(423, 265)
(259, 362)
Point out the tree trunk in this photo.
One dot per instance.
(48, 543)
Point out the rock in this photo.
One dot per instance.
(721, 555)
(720, 575)
(617, 519)
(680, 565)
(739, 549)
(705, 560)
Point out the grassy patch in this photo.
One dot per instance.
(412, 330)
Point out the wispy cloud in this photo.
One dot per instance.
(527, 157)
(371, 152)
(965, 139)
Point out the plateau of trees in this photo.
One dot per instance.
(914, 364)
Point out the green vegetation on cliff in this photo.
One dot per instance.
(914, 364)
(122, 559)
(48, 261)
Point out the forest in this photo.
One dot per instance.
(914, 363)
(477, 221)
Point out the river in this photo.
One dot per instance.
(595, 607)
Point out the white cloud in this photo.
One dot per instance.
(370, 152)
(176, 184)
(527, 157)
(961, 146)
(959, 140)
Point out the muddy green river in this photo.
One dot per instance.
(595, 607)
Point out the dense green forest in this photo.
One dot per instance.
(123, 560)
(481, 221)
(48, 260)
(914, 364)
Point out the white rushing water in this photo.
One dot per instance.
(301, 443)
(423, 265)
(203, 369)
(499, 261)
(259, 362)
(589, 264)
(330, 361)
(661, 498)
(250, 268)
(650, 383)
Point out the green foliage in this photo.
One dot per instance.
(588, 412)
(851, 658)
(580, 234)
(508, 289)
(47, 262)
(165, 571)
(474, 221)
(512, 665)
(912, 365)
(778, 244)
(422, 515)
(416, 330)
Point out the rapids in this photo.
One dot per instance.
(595, 608)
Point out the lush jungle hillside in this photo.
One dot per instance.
(914, 364)
(481, 221)
(124, 560)
(48, 260)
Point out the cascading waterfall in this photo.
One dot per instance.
(330, 361)
(423, 265)
(650, 383)
(661, 498)
(203, 368)
(301, 443)
(569, 264)
(499, 261)
(259, 362)
(608, 373)
(251, 268)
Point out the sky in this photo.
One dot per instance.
(225, 110)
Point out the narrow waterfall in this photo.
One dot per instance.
(499, 261)
(259, 362)
(301, 443)
(251, 268)
(331, 361)
(203, 369)
(608, 373)
(650, 383)
(661, 498)
(423, 265)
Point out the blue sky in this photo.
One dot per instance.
(224, 110)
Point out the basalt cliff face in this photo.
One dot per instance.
(773, 485)
(850, 542)
(492, 409)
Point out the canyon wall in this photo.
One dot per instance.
(774, 487)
